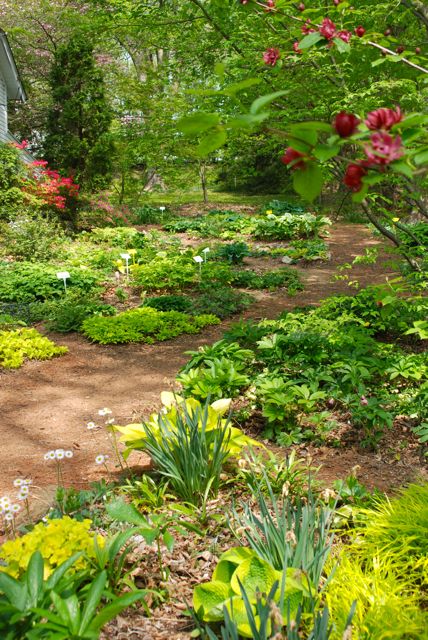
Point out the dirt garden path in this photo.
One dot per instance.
(46, 405)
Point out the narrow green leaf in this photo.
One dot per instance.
(35, 578)
(308, 181)
(310, 40)
(198, 123)
(421, 157)
(263, 101)
(211, 142)
(246, 121)
(92, 600)
(56, 576)
(236, 87)
(113, 609)
(15, 591)
(169, 541)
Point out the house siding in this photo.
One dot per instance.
(3, 110)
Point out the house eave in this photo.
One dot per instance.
(15, 89)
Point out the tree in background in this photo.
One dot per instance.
(78, 123)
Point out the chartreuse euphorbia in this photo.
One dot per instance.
(134, 435)
(257, 577)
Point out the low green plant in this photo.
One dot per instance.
(169, 303)
(147, 214)
(57, 541)
(68, 314)
(233, 252)
(116, 237)
(146, 493)
(219, 349)
(221, 301)
(272, 280)
(143, 325)
(21, 344)
(216, 378)
(30, 282)
(166, 272)
(288, 226)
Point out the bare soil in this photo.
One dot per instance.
(47, 405)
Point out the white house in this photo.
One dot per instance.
(11, 88)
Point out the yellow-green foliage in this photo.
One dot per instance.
(17, 345)
(57, 541)
(397, 529)
(387, 603)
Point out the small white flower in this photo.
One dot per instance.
(23, 492)
(14, 508)
(5, 502)
(91, 425)
(28, 482)
(104, 412)
(59, 454)
(50, 455)
(9, 516)
(101, 459)
(110, 421)
(68, 453)
(18, 482)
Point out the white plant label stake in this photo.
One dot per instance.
(126, 257)
(63, 275)
(199, 261)
(161, 209)
(205, 251)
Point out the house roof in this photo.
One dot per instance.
(15, 90)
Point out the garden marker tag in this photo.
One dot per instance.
(205, 251)
(162, 209)
(126, 257)
(199, 261)
(63, 275)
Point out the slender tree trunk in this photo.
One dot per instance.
(203, 176)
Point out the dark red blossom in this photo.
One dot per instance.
(271, 56)
(384, 148)
(344, 35)
(296, 47)
(360, 31)
(21, 145)
(270, 5)
(328, 29)
(353, 176)
(293, 157)
(346, 124)
(383, 118)
(307, 29)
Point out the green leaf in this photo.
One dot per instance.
(263, 101)
(301, 133)
(15, 592)
(403, 168)
(308, 181)
(124, 512)
(197, 123)
(255, 574)
(211, 142)
(324, 152)
(208, 599)
(379, 61)
(169, 541)
(310, 40)
(342, 47)
(35, 578)
(219, 69)
(56, 576)
(92, 600)
(234, 88)
(246, 121)
(113, 609)
(421, 157)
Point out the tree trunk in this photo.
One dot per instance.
(203, 176)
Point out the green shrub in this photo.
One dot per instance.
(68, 314)
(166, 272)
(169, 303)
(147, 214)
(12, 172)
(116, 237)
(283, 277)
(31, 238)
(221, 301)
(21, 344)
(29, 282)
(234, 252)
(143, 325)
(289, 225)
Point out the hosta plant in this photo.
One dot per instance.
(242, 567)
